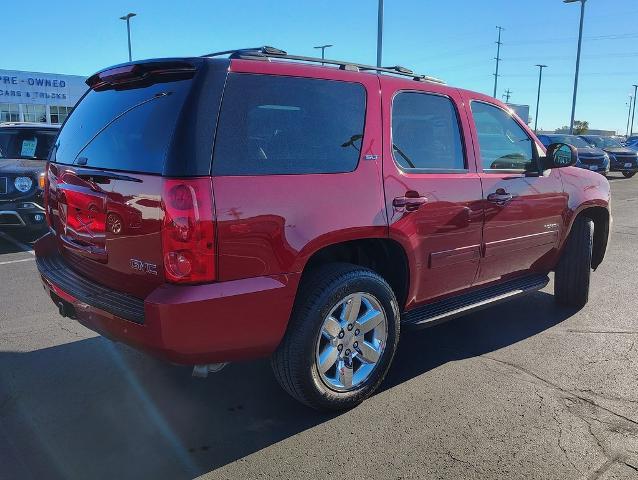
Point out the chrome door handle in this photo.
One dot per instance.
(500, 197)
(409, 203)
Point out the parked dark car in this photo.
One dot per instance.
(631, 140)
(24, 149)
(303, 212)
(632, 144)
(589, 158)
(621, 159)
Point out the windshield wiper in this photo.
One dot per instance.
(350, 143)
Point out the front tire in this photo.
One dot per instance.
(573, 272)
(628, 174)
(341, 338)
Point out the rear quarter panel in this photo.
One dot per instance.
(272, 224)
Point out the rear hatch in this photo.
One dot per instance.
(129, 196)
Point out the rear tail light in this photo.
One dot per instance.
(44, 184)
(188, 230)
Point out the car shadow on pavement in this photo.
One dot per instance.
(94, 409)
(25, 238)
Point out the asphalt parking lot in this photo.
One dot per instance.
(521, 390)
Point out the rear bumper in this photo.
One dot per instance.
(26, 214)
(218, 322)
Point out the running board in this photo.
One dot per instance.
(452, 307)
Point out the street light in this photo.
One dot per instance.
(629, 115)
(538, 97)
(580, 41)
(323, 50)
(380, 33)
(634, 111)
(128, 17)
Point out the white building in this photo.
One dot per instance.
(38, 97)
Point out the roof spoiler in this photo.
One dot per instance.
(136, 75)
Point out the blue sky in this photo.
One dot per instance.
(453, 40)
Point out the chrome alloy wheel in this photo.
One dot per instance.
(351, 342)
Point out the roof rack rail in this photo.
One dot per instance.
(267, 52)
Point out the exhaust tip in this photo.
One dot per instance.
(65, 309)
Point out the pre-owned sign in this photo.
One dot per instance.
(30, 87)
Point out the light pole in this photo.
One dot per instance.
(538, 96)
(629, 115)
(323, 50)
(127, 17)
(498, 58)
(380, 33)
(580, 41)
(633, 113)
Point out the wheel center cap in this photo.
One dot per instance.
(348, 340)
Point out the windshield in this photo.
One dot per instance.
(604, 142)
(570, 140)
(27, 143)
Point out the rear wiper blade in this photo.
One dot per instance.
(101, 174)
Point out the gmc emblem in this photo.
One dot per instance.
(142, 266)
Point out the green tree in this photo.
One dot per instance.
(580, 127)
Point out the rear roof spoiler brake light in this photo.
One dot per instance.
(130, 76)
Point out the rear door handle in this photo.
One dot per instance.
(499, 197)
(409, 203)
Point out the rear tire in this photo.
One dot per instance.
(571, 282)
(319, 331)
(628, 174)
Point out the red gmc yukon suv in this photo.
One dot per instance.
(253, 203)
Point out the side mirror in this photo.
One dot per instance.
(560, 155)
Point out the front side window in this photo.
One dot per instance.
(283, 125)
(426, 133)
(504, 145)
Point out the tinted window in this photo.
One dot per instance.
(425, 132)
(28, 143)
(503, 143)
(127, 129)
(284, 125)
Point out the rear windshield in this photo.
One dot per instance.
(127, 129)
(26, 143)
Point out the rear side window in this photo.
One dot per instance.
(426, 133)
(129, 129)
(283, 125)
